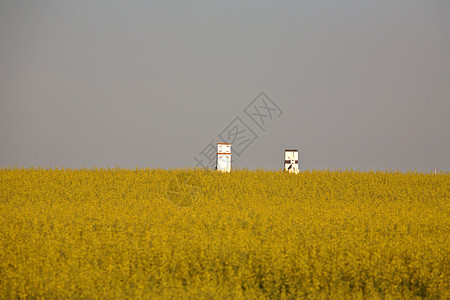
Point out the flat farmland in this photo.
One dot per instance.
(192, 233)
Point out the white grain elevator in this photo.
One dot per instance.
(291, 161)
(223, 157)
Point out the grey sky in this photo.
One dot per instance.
(362, 84)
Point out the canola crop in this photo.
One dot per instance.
(193, 233)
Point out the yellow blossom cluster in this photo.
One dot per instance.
(192, 233)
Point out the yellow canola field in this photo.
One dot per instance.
(154, 233)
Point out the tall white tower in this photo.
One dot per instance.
(223, 157)
(291, 161)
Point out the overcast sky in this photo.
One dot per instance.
(360, 84)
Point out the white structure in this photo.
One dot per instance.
(291, 161)
(224, 157)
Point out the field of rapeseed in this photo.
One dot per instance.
(152, 233)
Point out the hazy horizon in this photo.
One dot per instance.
(351, 84)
